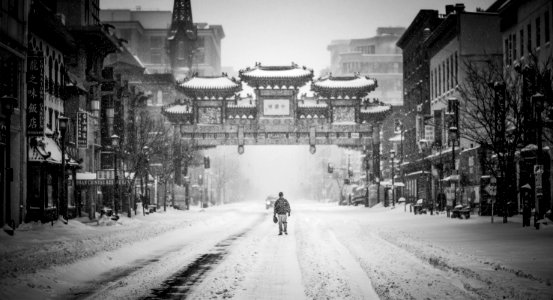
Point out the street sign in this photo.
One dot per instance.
(538, 181)
(491, 189)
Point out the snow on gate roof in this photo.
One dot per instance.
(208, 83)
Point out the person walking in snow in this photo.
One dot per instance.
(282, 211)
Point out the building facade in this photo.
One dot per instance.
(147, 34)
(462, 38)
(416, 92)
(526, 30)
(13, 45)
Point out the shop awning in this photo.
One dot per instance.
(47, 150)
(452, 178)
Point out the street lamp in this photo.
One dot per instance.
(8, 104)
(145, 154)
(537, 102)
(63, 122)
(115, 139)
(393, 156)
(453, 132)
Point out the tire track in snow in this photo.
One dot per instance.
(179, 285)
(328, 269)
(262, 265)
(130, 280)
(394, 272)
(482, 278)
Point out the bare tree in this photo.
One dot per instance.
(495, 114)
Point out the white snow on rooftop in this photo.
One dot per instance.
(278, 73)
(375, 109)
(179, 109)
(210, 83)
(354, 83)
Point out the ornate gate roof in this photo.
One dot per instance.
(210, 87)
(279, 76)
(344, 86)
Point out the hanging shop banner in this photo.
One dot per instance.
(35, 95)
(82, 130)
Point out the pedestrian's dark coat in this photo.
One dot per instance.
(282, 206)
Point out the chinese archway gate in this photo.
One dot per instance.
(338, 113)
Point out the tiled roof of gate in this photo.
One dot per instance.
(178, 109)
(353, 82)
(277, 72)
(211, 83)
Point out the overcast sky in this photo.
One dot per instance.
(282, 31)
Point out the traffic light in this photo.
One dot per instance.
(350, 172)
(330, 168)
(206, 162)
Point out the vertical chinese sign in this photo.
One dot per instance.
(35, 95)
(82, 130)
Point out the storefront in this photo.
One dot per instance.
(45, 180)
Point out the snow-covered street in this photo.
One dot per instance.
(234, 251)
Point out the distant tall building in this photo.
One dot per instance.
(154, 36)
(377, 56)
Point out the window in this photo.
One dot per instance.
(180, 50)
(50, 118)
(506, 51)
(447, 74)
(155, 56)
(538, 29)
(529, 35)
(439, 91)
(522, 42)
(547, 36)
(159, 97)
(514, 46)
(456, 68)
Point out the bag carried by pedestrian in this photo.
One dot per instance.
(275, 220)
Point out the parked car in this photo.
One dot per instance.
(461, 211)
(359, 195)
(270, 202)
(420, 208)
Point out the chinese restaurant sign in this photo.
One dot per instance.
(82, 130)
(35, 95)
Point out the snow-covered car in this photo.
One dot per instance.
(270, 201)
(419, 207)
(461, 211)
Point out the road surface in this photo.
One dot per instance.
(331, 252)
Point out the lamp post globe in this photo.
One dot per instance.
(115, 140)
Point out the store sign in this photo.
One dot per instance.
(35, 95)
(82, 130)
(108, 174)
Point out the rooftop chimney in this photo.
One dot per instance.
(459, 7)
(449, 9)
